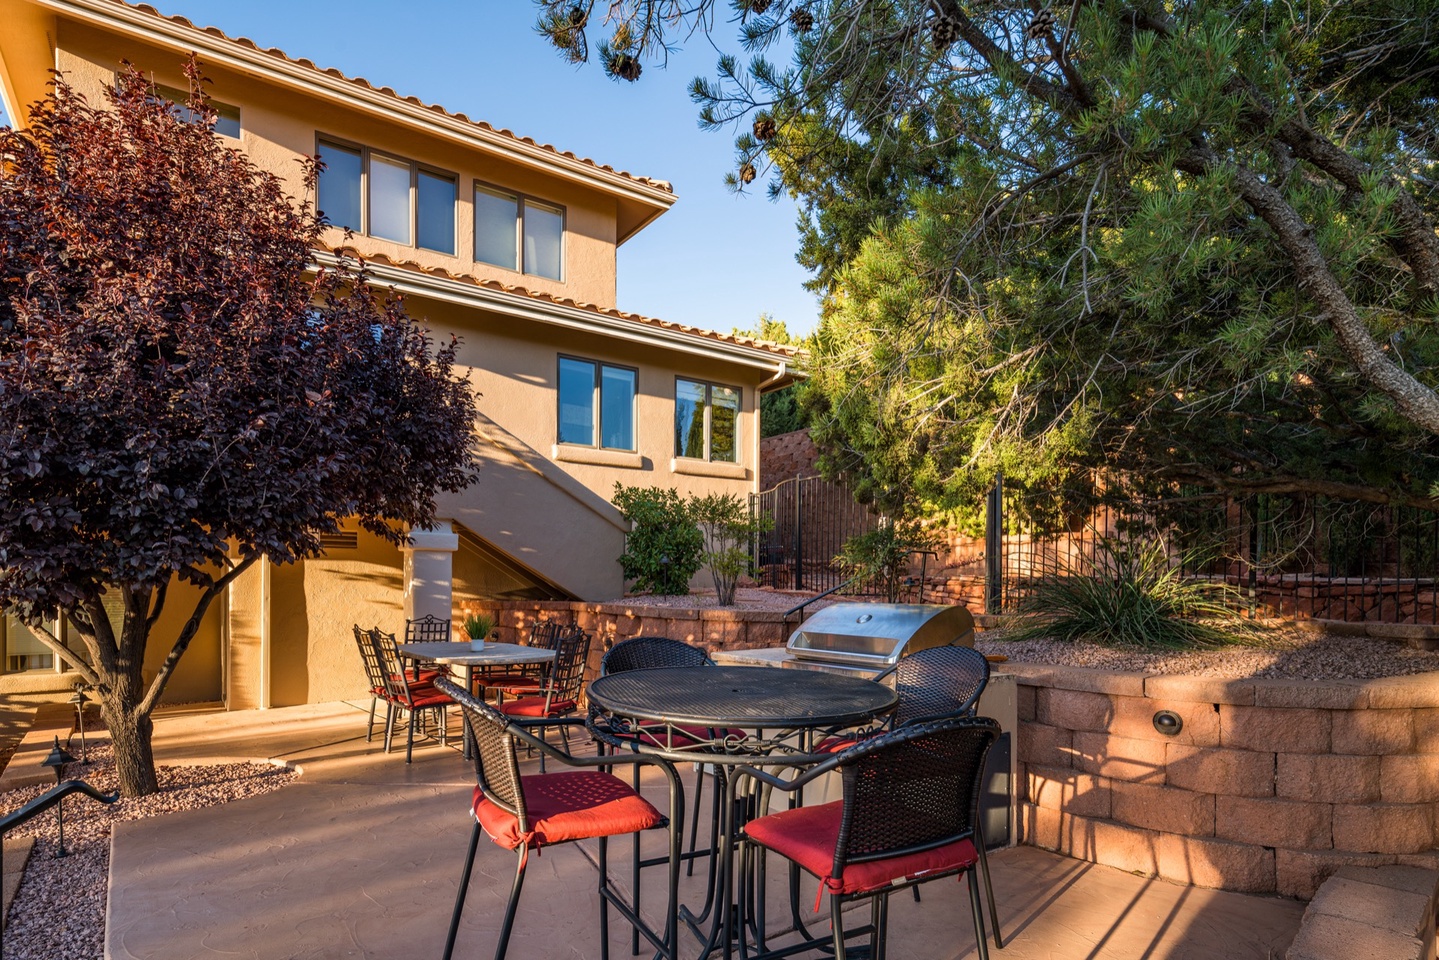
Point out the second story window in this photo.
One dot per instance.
(597, 404)
(706, 421)
(387, 197)
(519, 233)
(227, 116)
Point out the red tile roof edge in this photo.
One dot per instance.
(783, 350)
(661, 185)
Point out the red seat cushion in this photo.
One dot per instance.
(807, 835)
(428, 697)
(836, 744)
(535, 707)
(568, 806)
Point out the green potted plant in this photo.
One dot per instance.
(478, 626)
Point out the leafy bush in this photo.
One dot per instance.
(883, 554)
(1135, 596)
(663, 550)
(729, 529)
(478, 626)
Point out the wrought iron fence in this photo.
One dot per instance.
(1290, 555)
(812, 519)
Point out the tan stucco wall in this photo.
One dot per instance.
(314, 606)
(278, 127)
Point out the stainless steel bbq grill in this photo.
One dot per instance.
(867, 638)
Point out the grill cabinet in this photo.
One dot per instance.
(867, 638)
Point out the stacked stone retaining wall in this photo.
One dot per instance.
(1269, 787)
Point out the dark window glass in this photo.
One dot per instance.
(340, 186)
(436, 212)
(577, 401)
(617, 408)
(227, 121)
(724, 421)
(689, 419)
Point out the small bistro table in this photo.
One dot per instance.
(460, 655)
(778, 704)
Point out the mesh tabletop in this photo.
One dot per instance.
(741, 697)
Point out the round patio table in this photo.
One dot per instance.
(779, 701)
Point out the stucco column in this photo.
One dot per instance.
(429, 568)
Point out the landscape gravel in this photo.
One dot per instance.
(1280, 652)
(59, 910)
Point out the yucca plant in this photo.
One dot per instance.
(479, 626)
(1134, 596)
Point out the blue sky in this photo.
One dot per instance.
(715, 260)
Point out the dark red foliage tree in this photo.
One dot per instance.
(182, 391)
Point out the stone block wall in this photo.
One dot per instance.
(1269, 787)
(785, 457)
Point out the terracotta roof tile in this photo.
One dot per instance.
(780, 349)
(279, 54)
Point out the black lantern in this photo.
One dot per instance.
(56, 760)
(79, 699)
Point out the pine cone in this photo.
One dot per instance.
(625, 67)
(746, 173)
(943, 31)
(578, 16)
(758, 7)
(764, 128)
(801, 21)
(1042, 24)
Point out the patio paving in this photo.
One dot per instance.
(360, 859)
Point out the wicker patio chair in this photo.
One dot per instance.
(909, 814)
(522, 813)
(932, 683)
(413, 696)
(375, 676)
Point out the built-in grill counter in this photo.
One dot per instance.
(866, 639)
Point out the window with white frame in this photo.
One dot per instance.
(519, 233)
(387, 197)
(706, 421)
(597, 404)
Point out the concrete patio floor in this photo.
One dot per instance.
(360, 858)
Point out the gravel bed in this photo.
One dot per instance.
(59, 910)
(1280, 653)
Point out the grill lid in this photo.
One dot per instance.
(878, 634)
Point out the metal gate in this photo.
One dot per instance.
(812, 520)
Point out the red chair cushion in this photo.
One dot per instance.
(808, 835)
(426, 676)
(836, 744)
(427, 697)
(568, 806)
(535, 707)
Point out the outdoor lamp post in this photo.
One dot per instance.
(56, 760)
(79, 699)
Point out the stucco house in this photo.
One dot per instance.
(505, 241)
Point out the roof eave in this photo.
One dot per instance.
(161, 31)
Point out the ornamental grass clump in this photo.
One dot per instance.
(1134, 596)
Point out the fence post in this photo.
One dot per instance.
(799, 535)
(994, 546)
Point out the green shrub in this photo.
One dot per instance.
(663, 550)
(882, 555)
(1135, 596)
(729, 530)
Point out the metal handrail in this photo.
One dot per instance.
(51, 797)
(819, 596)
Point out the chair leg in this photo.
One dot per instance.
(389, 723)
(695, 821)
(509, 923)
(370, 730)
(988, 885)
(604, 867)
(464, 888)
(836, 921)
(635, 884)
(979, 935)
(881, 926)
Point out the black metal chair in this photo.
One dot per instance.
(427, 629)
(375, 675)
(413, 696)
(910, 814)
(520, 681)
(522, 813)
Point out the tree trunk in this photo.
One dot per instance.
(130, 733)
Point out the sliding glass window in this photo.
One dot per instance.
(403, 201)
(597, 400)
